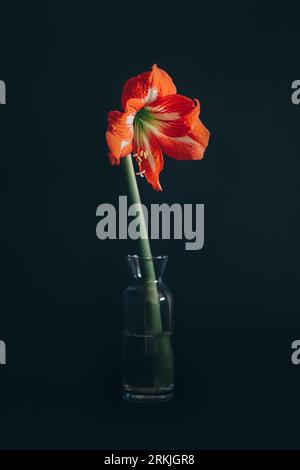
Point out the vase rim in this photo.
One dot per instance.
(158, 257)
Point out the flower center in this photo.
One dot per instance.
(143, 117)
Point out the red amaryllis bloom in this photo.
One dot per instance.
(155, 120)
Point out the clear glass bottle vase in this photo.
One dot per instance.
(148, 358)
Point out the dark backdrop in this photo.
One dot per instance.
(236, 301)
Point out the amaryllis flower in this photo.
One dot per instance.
(155, 120)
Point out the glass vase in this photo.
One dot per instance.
(148, 359)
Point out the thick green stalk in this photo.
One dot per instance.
(163, 358)
(134, 197)
(144, 250)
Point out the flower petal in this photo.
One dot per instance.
(119, 135)
(173, 115)
(134, 105)
(188, 147)
(148, 86)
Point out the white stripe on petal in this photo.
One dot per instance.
(130, 119)
(185, 139)
(151, 95)
(124, 143)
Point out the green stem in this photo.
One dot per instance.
(144, 250)
(134, 197)
(163, 357)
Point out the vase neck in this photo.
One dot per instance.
(149, 269)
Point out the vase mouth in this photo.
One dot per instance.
(147, 258)
(140, 266)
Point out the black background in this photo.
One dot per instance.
(236, 301)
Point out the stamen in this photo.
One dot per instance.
(143, 153)
(139, 159)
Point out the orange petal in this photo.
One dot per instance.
(174, 115)
(148, 86)
(119, 135)
(188, 147)
(134, 105)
